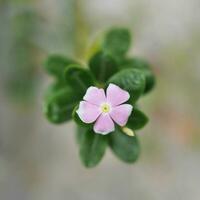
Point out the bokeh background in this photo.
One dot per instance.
(39, 161)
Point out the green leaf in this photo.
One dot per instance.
(143, 66)
(79, 79)
(137, 120)
(117, 41)
(58, 107)
(131, 80)
(80, 130)
(77, 119)
(103, 66)
(54, 88)
(55, 65)
(92, 147)
(123, 146)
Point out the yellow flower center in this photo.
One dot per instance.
(105, 108)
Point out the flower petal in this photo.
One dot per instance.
(104, 124)
(115, 95)
(88, 112)
(95, 95)
(120, 114)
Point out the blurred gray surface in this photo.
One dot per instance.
(39, 161)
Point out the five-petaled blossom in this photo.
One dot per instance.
(103, 108)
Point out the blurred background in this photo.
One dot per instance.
(39, 161)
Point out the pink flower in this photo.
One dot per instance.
(105, 109)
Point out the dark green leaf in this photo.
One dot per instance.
(80, 130)
(54, 88)
(92, 147)
(55, 65)
(145, 68)
(79, 79)
(124, 147)
(131, 80)
(117, 41)
(103, 66)
(58, 107)
(137, 120)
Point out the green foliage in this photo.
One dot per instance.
(79, 133)
(92, 147)
(79, 79)
(103, 66)
(55, 65)
(123, 146)
(137, 120)
(59, 106)
(144, 67)
(117, 41)
(108, 65)
(54, 88)
(131, 80)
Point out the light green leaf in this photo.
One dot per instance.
(117, 41)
